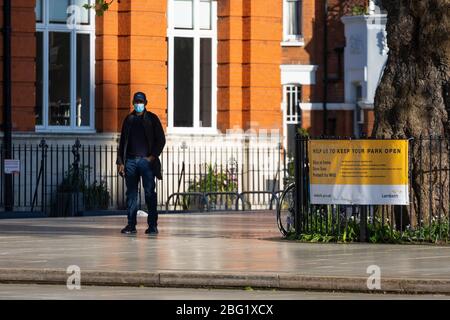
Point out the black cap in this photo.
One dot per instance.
(140, 96)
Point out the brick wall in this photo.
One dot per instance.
(131, 56)
(313, 53)
(23, 65)
(249, 56)
(369, 120)
(306, 54)
(230, 26)
(262, 55)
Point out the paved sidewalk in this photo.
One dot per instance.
(60, 292)
(218, 250)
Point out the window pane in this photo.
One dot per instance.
(38, 10)
(39, 78)
(205, 14)
(59, 79)
(293, 97)
(289, 103)
(205, 82)
(183, 14)
(84, 13)
(58, 10)
(183, 82)
(83, 105)
(295, 14)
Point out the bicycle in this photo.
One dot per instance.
(286, 211)
(286, 207)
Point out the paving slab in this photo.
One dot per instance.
(55, 292)
(218, 250)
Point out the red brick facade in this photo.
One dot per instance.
(23, 65)
(132, 54)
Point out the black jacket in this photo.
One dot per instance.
(155, 138)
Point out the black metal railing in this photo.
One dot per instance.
(67, 179)
(426, 218)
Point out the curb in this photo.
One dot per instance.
(198, 279)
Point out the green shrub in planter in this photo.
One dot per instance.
(96, 196)
(359, 10)
(213, 181)
(70, 193)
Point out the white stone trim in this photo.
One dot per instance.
(317, 106)
(371, 19)
(68, 138)
(293, 43)
(365, 105)
(298, 74)
(192, 131)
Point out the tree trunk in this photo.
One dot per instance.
(412, 98)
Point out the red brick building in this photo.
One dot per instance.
(207, 66)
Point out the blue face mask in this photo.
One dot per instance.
(139, 107)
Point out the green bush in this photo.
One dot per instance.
(303, 132)
(96, 196)
(359, 10)
(73, 182)
(377, 232)
(213, 181)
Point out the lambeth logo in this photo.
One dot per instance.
(391, 196)
(394, 194)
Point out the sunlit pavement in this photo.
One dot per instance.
(240, 243)
(47, 292)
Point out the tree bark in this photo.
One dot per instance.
(412, 98)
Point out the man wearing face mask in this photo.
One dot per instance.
(141, 142)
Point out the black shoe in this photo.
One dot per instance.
(129, 230)
(152, 231)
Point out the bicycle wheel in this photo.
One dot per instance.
(286, 211)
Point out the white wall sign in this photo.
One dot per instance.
(12, 166)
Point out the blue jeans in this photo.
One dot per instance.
(134, 170)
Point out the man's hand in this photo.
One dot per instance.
(121, 169)
(151, 158)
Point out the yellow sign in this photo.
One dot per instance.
(358, 171)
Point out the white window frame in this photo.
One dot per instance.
(296, 91)
(290, 40)
(285, 107)
(45, 27)
(196, 33)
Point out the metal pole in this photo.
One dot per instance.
(363, 223)
(325, 69)
(297, 184)
(43, 173)
(7, 127)
(298, 173)
(77, 179)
